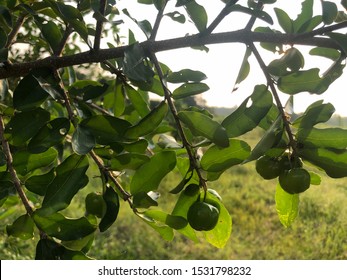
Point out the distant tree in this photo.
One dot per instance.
(61, 115)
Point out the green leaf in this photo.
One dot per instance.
(112, 208)
(38, 183)
(316, 113)
(189, 89)
(128, 161)
(220, 235)
(25, 125)
(287, 206)
(185, 76)
(137, 100)
(6, 15)
(52, 34)
(49, 135)
(210, 129)
(149, 175)
(270, 139)
(65, 229)
(291, 61)
(175, 222)
(29, 94)
(105, 129)
(340, 39)
(149, 123)
(69, 179)
(332, 161)
(22, 227)
(305, 15)
(284, 20)
(329, 12)
(197, 14)
(82, 140)
(217, 159)
(306, 80)
(143, 200)
(253, 12)
(176, 16)
(272, 47)
(165, 231)
(184, 201)
(329, 53)
(244, 69)
(48, 249)
(25, 162)
(134, 66)
(315, 178)
(249, 114)
(335, 138)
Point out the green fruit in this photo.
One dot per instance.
(202, 216)
(288, 162)
(95, 204)
(296, 180)
(267, 167)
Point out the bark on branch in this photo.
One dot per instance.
(239, 36)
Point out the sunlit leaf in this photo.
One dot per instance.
(149, 175)
(317, 112)
(22, 227)
(287, 206)
(211, 129)
(284, 20)
(332, 161)
(186, 75)
(249, 114)
(335, 138)
(189, 89)
(332, 54)
(305, 80)
(164, 230)
(220, 235)
(218, 159)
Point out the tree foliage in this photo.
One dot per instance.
(58, 121)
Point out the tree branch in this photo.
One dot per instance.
(186, 144)
(16, 182)
(99, 25)
(239, 36)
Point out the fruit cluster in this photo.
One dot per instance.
(292, 177)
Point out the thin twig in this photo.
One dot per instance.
(270, 82)
(99, 25)
(157, 23)
(224, 12)
(190, 151)
(15, 30)
(9, 160)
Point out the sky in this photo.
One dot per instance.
(221, 64)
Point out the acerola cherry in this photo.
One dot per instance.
(296, 180)
(202, 216)
(267, 167)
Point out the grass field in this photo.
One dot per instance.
(320, 231)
